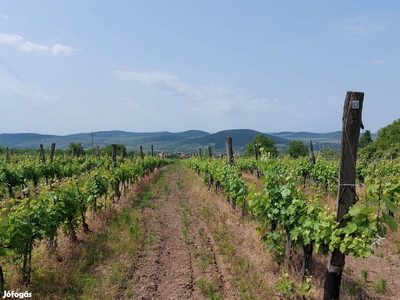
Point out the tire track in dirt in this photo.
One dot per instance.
(178, 258)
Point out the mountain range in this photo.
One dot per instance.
(186, 141)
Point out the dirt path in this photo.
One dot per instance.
(188, 252)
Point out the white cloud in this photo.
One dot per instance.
(162, 80)
(29, 46)
(10, 38)
(4, 17)
(364, 26)
(379, 61)
(18, 41)
(221, 99)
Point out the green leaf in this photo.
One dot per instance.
(354, 210)
(350, 228)
(390, 206)
(390, 221)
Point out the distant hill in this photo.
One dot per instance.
(320, 140)
(186, 141)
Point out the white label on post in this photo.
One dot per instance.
(355, 104)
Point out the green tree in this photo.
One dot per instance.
(75, 149)
(366, 145)
(296, 149)
(264, 145)
(365, 139)
(120, 148)
(329, 154)
(387, 142)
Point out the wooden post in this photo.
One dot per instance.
(152, 151)
(52, 149)
(347, 188)
(1, 280)
(114, 154)
(229, 150)
(255, 150)
(141, 152)
(41, 154)
(7, 154)
(311, 153)
(98, 151)
(200, 152)
(209, 152)
(131, 156)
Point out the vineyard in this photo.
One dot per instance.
(289, 201)
(264, 227)
(41, 200)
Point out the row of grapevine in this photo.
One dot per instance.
(65, 194)
(293, 218)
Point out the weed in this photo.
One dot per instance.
(355, 287)
(365, 275)
(207, 289)
(206, 212)
(180, 183)
(206, 258)
(381, 285)
(286, 286)
(166, 189)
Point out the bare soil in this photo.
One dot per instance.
(195, 247)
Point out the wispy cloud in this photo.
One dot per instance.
(379, 61)
(18, 41)
(364, 26)
(4, 17)
(222, 99)
(10, 38)
(162, 80)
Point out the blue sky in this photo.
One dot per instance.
(141, 66)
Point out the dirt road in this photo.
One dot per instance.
(189, 251)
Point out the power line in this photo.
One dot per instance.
(31, 104)
(20, 79)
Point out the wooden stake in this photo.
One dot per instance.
(41, 154)
(52, 149)
(311, 153)
(347, 188)
(229, 150)
(141, 152)
(114, 154)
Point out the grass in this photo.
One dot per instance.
(208, 289)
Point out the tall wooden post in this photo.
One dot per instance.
(347, 188)
(200, 152)
(114, 154)
(152, 151)
(41, 154)
(7, 154)
(311, 153)
(209, 152)
(52, 150)
(141, 152)
(229, 150)
(255, 150)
